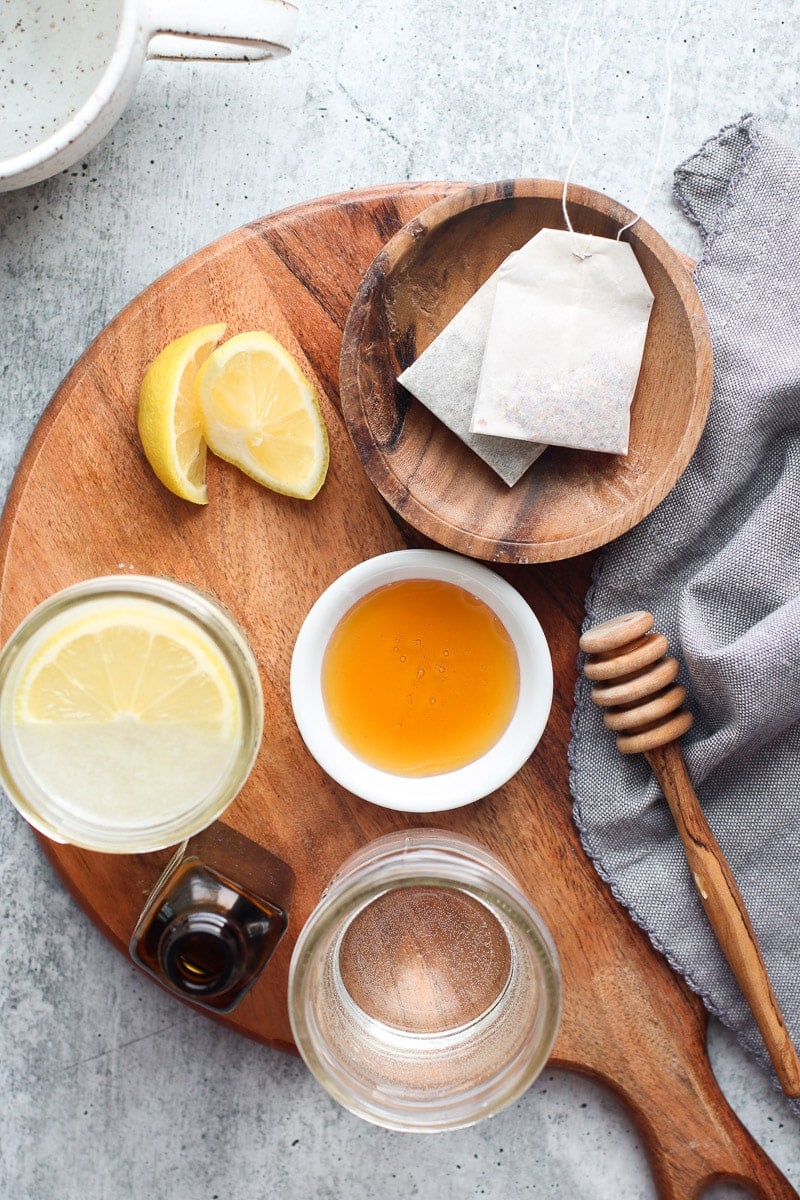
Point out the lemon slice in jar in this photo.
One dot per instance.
(127, 712)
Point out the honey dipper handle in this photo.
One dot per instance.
(726, 910)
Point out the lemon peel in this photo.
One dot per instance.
(167, 416)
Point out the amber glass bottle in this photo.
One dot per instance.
(214, 919)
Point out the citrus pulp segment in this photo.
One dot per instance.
(260, 413)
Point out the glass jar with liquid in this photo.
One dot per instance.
(424, 989)
(131, 713)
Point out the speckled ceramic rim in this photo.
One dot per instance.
(43, 811)
(433, 793)
(89, 111)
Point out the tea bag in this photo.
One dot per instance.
(565, 343)
(445, 379)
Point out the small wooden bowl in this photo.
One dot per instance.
(569, 501)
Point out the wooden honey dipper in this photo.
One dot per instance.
(635, 684)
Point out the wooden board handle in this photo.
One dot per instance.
(726, 911)
(694, 1139)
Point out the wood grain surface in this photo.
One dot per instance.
(84, 503)
(570, 501)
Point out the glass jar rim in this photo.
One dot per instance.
(43, 813)
(340, 904)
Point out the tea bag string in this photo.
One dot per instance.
(584, 252)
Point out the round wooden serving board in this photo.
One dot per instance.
(85, 503)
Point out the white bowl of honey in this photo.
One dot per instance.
(421, 680)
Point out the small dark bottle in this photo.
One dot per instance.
(214, 919)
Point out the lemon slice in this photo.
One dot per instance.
(168, 418)
(128, 657)
(260, 413)
(127, 712)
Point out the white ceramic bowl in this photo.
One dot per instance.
(430, 793)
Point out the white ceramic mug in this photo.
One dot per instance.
(69, 67)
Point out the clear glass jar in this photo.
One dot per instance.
(122, 819)
(424, 989)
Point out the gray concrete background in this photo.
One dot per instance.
(111, 1091)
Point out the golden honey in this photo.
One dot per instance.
(420, 677)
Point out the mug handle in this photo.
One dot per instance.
(219, 30)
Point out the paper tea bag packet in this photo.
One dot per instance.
(565, 343)
(445, 379)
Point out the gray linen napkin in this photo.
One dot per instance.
(718, 564)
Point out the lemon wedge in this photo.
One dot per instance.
(167, 416)
(259, 412)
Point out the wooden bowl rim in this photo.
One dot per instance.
(374, 285)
